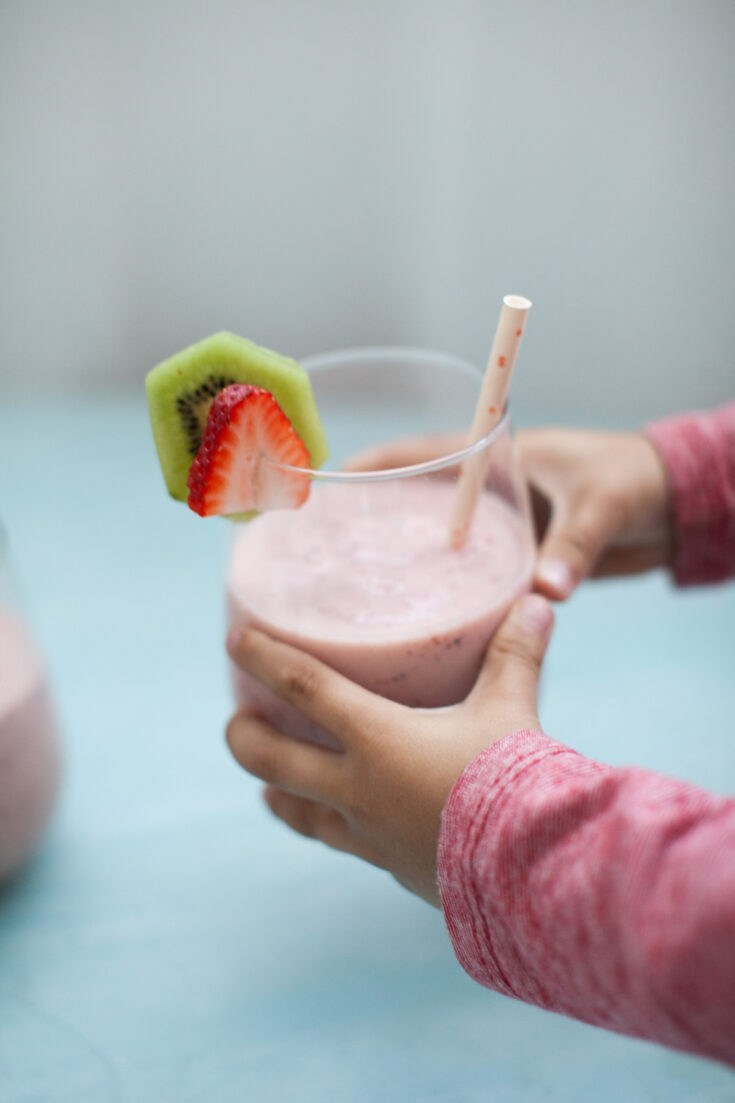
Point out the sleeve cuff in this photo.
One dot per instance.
(461, 865)
(698, 451)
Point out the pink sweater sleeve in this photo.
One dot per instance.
(698, 451)
(604, 894)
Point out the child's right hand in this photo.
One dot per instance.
(382, 797)
(606, 502)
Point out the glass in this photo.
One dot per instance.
(362, 576)
(29, 743)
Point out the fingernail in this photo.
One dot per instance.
(233, 639)
(557, 575)
(535, 614)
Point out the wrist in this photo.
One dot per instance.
(654, 500)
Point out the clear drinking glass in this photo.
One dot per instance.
(29, 742)
(363, 576)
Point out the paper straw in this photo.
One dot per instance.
(488, 412)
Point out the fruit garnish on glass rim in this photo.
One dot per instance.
(246, 436)
(182, 390)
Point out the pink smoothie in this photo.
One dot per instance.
(363, 578)
(29, 749)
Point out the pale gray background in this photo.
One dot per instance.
(341, 172)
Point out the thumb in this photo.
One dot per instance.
(513, 660)
(572, 546)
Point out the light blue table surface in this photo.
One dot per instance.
(172, 941)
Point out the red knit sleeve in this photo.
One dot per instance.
(698, 451)
(604, 894)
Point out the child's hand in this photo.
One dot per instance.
(383, 797)
(608, 500)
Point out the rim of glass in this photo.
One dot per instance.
(428, 467)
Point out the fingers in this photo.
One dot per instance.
(405, 452)
(513, 661)
(308, 817)
(335, 703)
(573, 544)
(316, 821)
(292, 764)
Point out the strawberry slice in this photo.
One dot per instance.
(246, 434)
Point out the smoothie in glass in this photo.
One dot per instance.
(362, 576)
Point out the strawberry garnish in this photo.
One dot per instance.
(246, 435)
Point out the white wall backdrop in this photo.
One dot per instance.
(322, 173)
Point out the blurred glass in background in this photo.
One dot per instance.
(29, 740)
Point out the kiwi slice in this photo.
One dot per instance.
(182, 388)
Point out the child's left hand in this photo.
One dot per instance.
(382, 799)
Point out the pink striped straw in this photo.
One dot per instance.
(488, 412)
